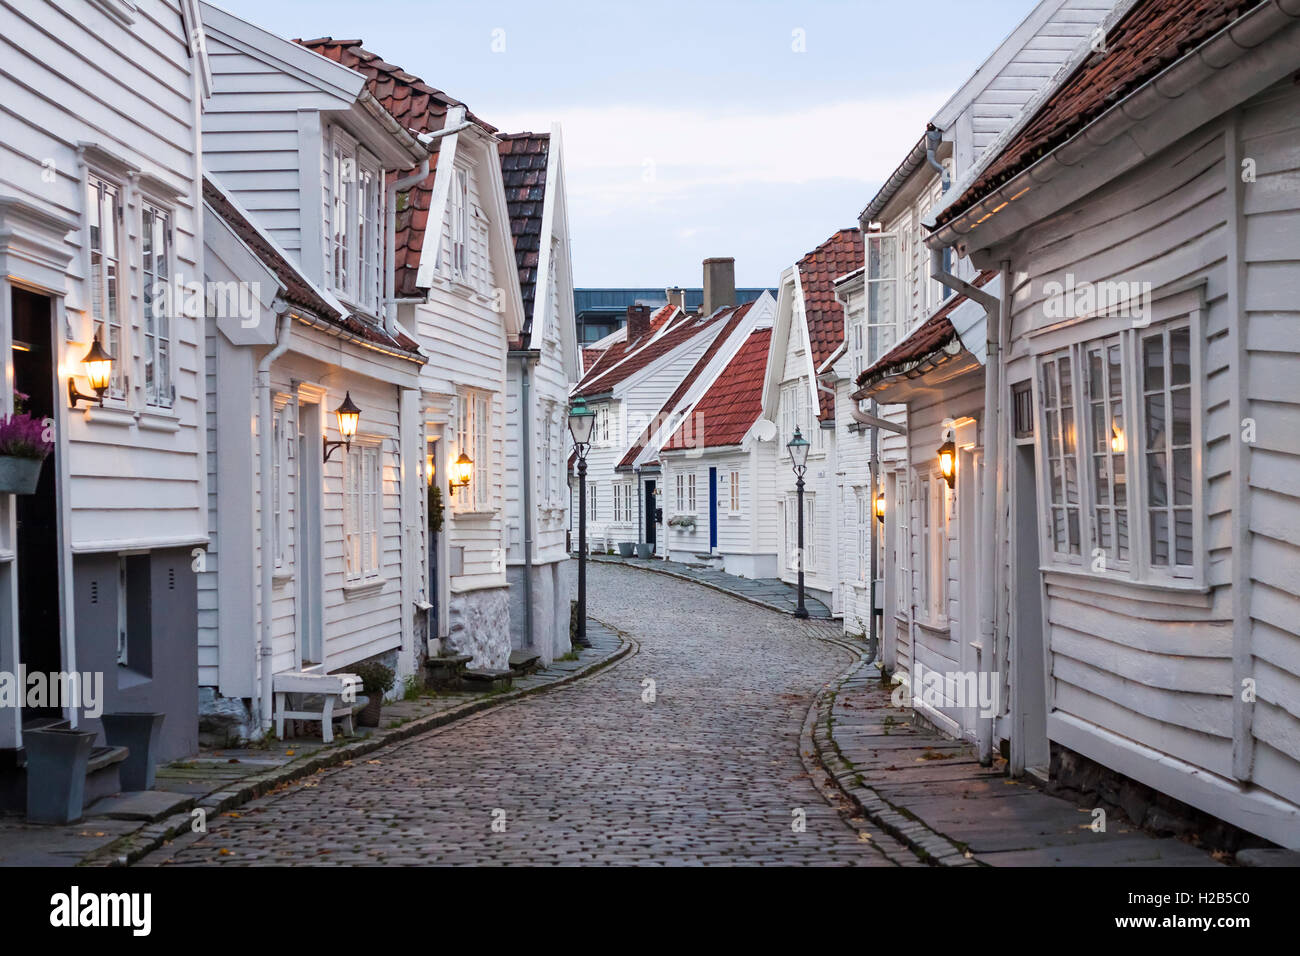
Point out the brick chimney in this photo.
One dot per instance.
(719, 285)
(676, 295)
(638, 321)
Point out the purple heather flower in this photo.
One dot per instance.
(23, 436)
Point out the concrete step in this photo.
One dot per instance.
(144, 805)
(446, 670)
(524, 662)
(482, 679)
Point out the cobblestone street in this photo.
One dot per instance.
(709, 772)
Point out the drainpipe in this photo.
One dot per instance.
(265, 492)
(933, 137)
(526, 424)
(993, 311)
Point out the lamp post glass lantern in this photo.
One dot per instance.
(798, 446)
(948, 463)
(98, 366)
(581, 421)
(349, 414)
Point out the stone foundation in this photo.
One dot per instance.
(478, 624)
(1090, 784)
(554, 584)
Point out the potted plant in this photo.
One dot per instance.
(683, 523)
(24, 444)
(644, 549)
(376, 681)
(625, 548)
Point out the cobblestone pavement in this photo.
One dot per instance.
(709, 772)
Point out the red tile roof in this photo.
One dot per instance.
(931, 336)
(726, 412)
(633, 356)
(590, 357)
(1151, 36)
(298, 290)
(417, 106)
(523, 169)
(734, 316)
(818, 270)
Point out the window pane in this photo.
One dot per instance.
(1157, 493)
(1121, 533)
(1155, 416)
(1153, 364)
(1183, 536)
(1183, 477)
(1160, 538)
(1180, 357)
(1073, 520)
(1182, 416)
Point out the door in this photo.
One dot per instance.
(713, 509)
(651, 513)
(37, 538)
(1029, 747)
(308, 545)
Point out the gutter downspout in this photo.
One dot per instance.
(993, 310)
(526, 425)
(265, 493)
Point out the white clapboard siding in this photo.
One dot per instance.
(65, 81)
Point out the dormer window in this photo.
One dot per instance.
(353, 236)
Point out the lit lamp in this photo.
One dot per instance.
(798, 446)
(98, 370)
(348, 414)
(461, 471)
(948, 463)
(581, 422)
(880, 507)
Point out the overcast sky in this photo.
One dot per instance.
(691, 129)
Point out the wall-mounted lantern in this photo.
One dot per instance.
(99, 371)
(349, 415)
(461, 472)
(948, 463)
(880, 507)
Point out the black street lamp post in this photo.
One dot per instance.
(581, 421)
(798, 446)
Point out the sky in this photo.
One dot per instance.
(691, 129)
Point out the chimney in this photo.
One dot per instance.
(676, 295)
(719, 285)
(638, 321)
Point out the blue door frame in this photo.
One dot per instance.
(713, 508)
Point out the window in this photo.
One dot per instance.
(1057, 401)
(353, 221)
(600, 430)
(459, 258)
(855, 341)
(681, 494)
(620, 511)
(795, 414)
(690, 493)
(902, 549)
(809, 532)
(281, 453)
(923, 546)
(591, 502)
(733, 487)
(1167, 446)
(362, 486)
(629, 512)
(1135, 396)
(156, 243)
(473, 438)
(104, 214)
(883, 314)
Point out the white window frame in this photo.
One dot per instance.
(809, 531)
(592, 508)
(862, 499)
(733, 492)
(680, 482)
(618, 502)
(106, 283)
(156, 272)
(474, 416)
(690, 494)
(901, 522)
(882, 284)
(363, 484)
(458, 240)
(354, 233)
(1139, 568)
(934, 512)
(283, 434)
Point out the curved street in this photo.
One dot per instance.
(707, 772)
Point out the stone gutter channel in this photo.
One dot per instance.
(818, 743)
(611, 644)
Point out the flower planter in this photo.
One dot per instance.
(19, 476)
(644, 549)
(56, 774)
(625, 548)
(138, 733)
(368, 716)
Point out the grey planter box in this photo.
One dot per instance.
(625, 548)
(138, 733)
(19, 476)
(56, 774)
(644, 549)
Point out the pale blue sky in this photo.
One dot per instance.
(692, 129)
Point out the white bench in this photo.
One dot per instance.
(293, 687)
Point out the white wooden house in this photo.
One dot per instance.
(1147, 550)
(101, 239)
(922, 349)
(456, 289)
(807, 333)
(718, 464)
(322, 576)
(544, 366)
(627, 388)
